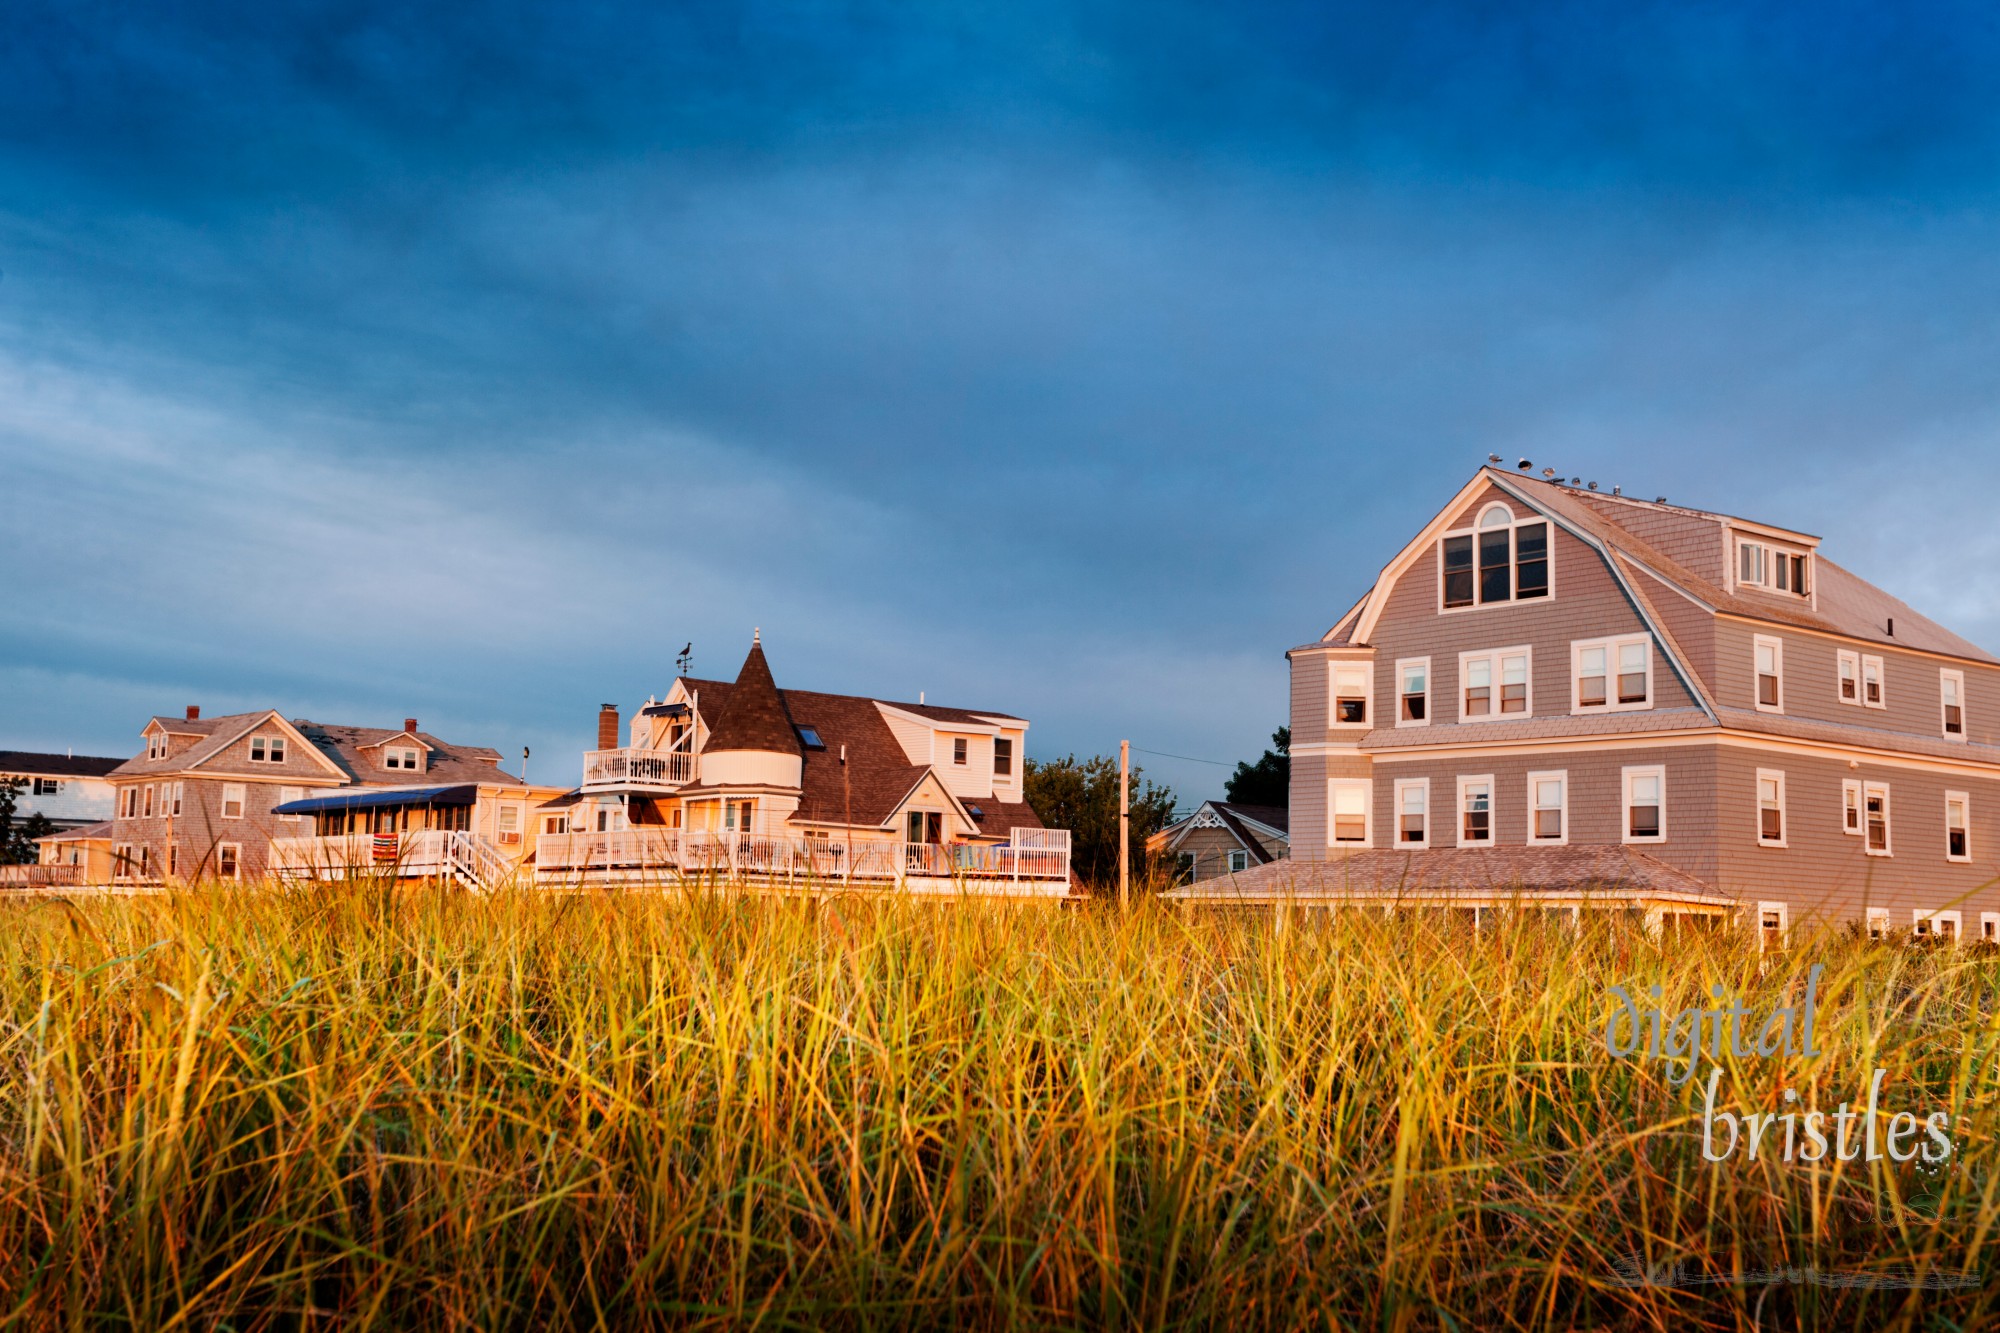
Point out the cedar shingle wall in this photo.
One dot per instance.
(1811, 684)
(1696, 543)
(201, 826)
(1828, 872)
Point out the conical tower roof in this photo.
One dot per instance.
(755, 717)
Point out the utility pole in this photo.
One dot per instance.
(1124, 824)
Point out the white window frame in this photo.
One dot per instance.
(1888, 847)
(1560, 775)
(1850, 801)
(1932, 919)
(1784, 912)
(1775, 775)
(1626, 776)
(155, 745)
(1846, 659)
(242, 799)
(1514, 523)
(1955, 677)
(150, 805)
(1422, 785)
(1989, 927)
(179, 800)
(267, 749)
(46, 787)
(1964, 801)
(1762, 579)
(961, 751)
(1239, 861)
(1366, 787)
(1881, 669)
(1402, 666)
(122, 862)
(286, 795)
(402, 757)
(1878, 923)
(1759, 642)
(1611, 649)
(1458, 811)
(233, 851)
(1493, 657)
(1333, 694)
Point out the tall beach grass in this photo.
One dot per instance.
(357, 1107)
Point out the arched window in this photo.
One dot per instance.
(1501, 559)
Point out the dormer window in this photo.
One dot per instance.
(1762, 566)
(156, 745)
(267, 749)
(1502, 559)
(401, 757)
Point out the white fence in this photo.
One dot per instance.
(1031, 856)
(637, 768)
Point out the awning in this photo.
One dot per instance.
(463, 794)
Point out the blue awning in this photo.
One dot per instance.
(466, 793)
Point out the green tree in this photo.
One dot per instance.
(1082, 796)
(1269, 780)
(17, 837)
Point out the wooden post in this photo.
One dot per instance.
(1124, 824)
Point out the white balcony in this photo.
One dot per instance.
(1033, 861)
(657, 770)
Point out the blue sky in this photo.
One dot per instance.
(1069, 359)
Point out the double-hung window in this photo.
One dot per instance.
(1645, 803)
(1873, 688)
(286, 795)
(149, 800)
(1761, 566)
(1951, 693)
(1239, 860)
(179, 798)
(1347, 801)
(1875, 818)
(1770, 808)
(1847, 666)
(1413, 692)
(1770, 666)
(1413, 800)
(233, 794)
(1502, 559)
(959, 749)
(1003, 757)
(1611, 675)
(1548, 808)
(1850, 806)
(1957, 826)
(267, 749)
(1497, 683)
(1475, 811)
(1350, 693)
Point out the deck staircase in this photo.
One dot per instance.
(475, 863)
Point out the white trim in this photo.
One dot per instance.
(1775, 776)
(275, 749)
(1964, 801)
(1918, 916)
(1372, 605)
(1235, 855)
(242, 791)
(1951, 676)
(1403, 664)
(1850, 802)
(1402, 785)
(1560, 776)
(286, 795)
(235, 850)
(1989, 927)
(1626, 776)
(1881, 681)
(1334, 788)
(1492, 813)
(1878, 922)
(1758, 643)
(1611, 647)
(1366, 668)
(1849, 658)
(1784, 912)
(1868, 791)
(1494, 657)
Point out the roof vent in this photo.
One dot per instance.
(194, 712)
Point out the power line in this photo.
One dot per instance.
(1162, 754)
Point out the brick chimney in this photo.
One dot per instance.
(410, 725)
(607, 727)
(194, 712)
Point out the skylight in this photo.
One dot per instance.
(810, 735)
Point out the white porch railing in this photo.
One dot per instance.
(1038, 856)
(637, 768)
(40, 876)
(417, 854)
